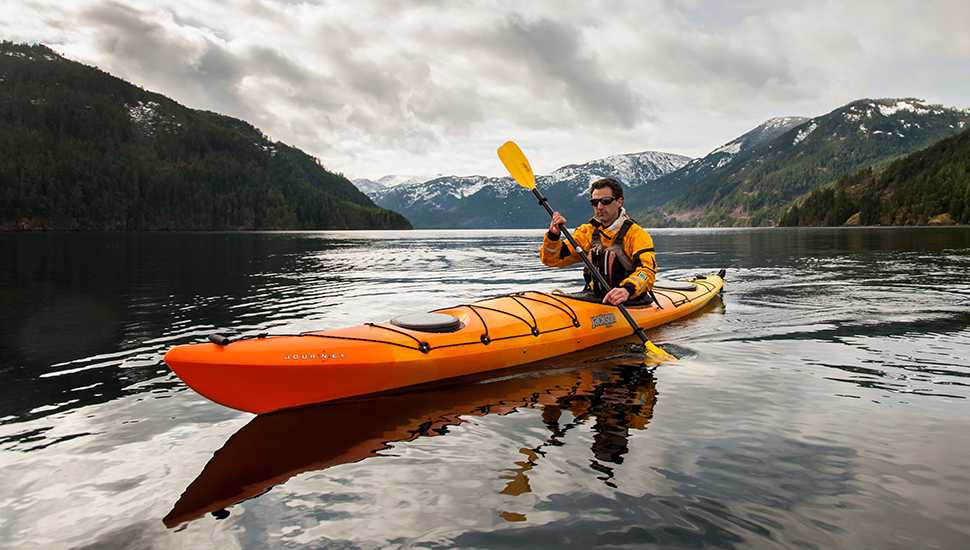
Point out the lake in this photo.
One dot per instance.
(821, 401)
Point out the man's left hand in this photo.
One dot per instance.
(616, 296)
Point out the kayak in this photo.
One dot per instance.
(267, 373)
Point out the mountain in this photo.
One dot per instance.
(369, 187)
(679, 181)
(930, 186)
(756, 189)
(83, 150)
(481, 202)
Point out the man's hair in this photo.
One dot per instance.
(607, 182)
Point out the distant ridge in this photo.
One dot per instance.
(369, 187)
(482, 202)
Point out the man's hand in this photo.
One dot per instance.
(557, 219)
(616, 296)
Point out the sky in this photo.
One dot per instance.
(428, 87)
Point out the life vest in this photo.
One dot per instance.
(612, 261)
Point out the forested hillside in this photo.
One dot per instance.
(83, 150)
(930, 186)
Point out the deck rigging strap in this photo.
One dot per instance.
(560, 305)
(684, 299)
(485, 339)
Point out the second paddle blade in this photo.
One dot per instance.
(517, 165)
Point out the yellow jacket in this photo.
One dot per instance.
(637, 245)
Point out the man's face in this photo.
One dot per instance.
(605, 213)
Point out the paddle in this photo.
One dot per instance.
(517, 165)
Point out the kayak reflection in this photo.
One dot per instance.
(617, 393)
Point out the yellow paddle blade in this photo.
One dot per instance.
(656, 353)
(517, 165)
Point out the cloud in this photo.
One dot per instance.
(178, 60)
(371, 87)
(557, 59)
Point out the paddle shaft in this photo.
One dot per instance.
(589, 264)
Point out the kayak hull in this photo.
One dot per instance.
(265, 374)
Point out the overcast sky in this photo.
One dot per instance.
(424, 87)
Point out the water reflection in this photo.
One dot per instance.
(617, 394)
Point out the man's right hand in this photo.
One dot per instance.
(557, 220)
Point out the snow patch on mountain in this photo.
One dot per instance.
(143, 113)
(469, 189)
(34, 55)
(732, 148)
(783, 123)
(891, 107)
(148, 119)
(910, 105)
(804, 133)
(439, 193)
(630, 169)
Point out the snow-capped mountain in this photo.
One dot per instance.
(482, 202)
(632, 170)
(369, 187)
(755, 189)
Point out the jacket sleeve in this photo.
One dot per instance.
(557, 253)
(638, 245)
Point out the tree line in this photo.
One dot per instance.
(929, 186)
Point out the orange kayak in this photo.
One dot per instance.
(269, 373)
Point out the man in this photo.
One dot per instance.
(620, 249)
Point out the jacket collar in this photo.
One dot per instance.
(615, 226)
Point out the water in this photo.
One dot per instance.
(823, 402)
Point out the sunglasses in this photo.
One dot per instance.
(605, 200)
